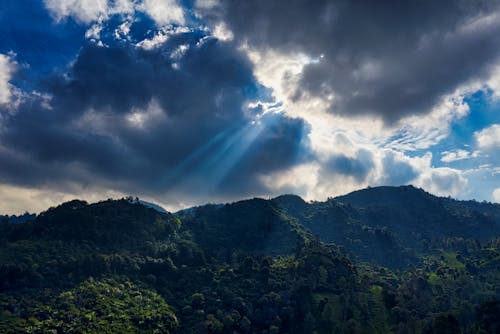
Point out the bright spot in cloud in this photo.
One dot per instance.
(153, 115)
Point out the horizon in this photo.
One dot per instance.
(237, 200)
(184, 102)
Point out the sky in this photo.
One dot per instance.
(184, 102)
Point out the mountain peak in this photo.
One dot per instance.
(387, 195)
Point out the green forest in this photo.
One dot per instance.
(379, 260)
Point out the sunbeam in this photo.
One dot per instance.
(189, 162)
(212, 162)
(223, 162)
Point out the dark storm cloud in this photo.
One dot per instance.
(135, 118)
(384, 58)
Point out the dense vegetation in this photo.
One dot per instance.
(402, 262)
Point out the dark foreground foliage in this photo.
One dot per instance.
(253, 267)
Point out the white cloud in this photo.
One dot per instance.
(123, 30)
(205, 4)
(161, 37)
(494, 81)
(163, 12)
(222, 33)
(496, 195)
(94, 32)
(87, 11)
(84, 11)
(417, 132)
(123, 6)
(307, 180)
(334, 134)
(489, 137)
(6, 69)
(443, 181)
(157, 40)
(456, 155)
(389, 168)
(282, 73)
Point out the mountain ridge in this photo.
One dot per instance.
(281, 265)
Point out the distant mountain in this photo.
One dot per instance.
(17, 219)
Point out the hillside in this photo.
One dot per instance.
(253, 226)
(254, 266)
(393, 226)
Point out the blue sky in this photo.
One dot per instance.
(186, 102)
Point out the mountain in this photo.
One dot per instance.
(418, 203)
(149, 205)
(17, 219)
(421, 205)
(252, 226)
(392, 226)
(417, 215)
(337, 223)
(381, 260)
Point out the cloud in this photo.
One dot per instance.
(414, 133)
(163, 12)
(397, 169)
(482, 181)
(456, 155)
(496, 195)
(358, 166)
(310, 181)
(443, 181)
(6, 70)
(185, 102)
(386, 60)
(182, 121)
(84, 11)
(18, 200)
(340, 174)
(488, 138)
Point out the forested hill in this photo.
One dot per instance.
(394, 226)
(415, 199)
(380, 260)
